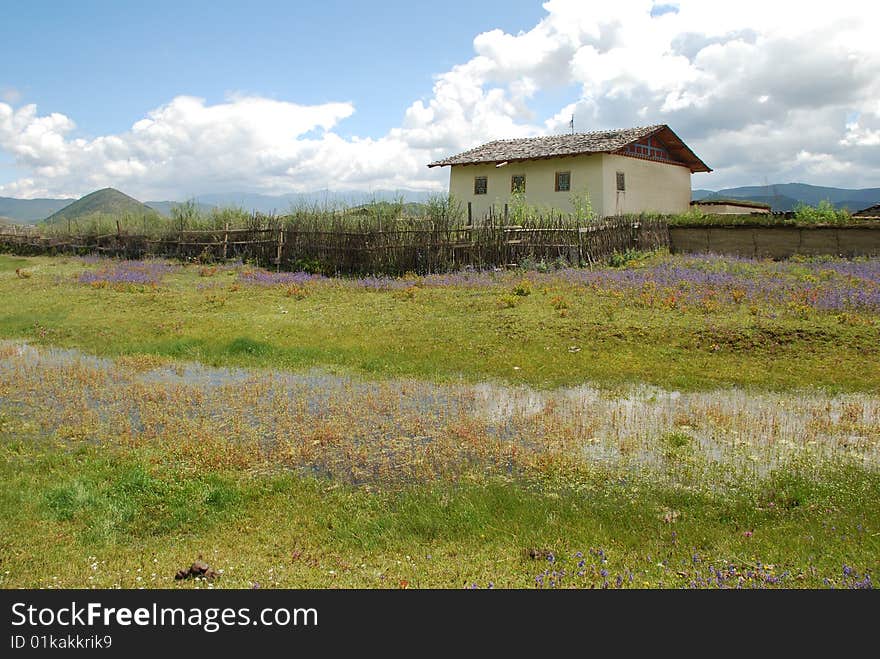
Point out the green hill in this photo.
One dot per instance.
(103, 205)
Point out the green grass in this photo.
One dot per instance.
(104, 517)
(82, 505)
(442, 333)
(11, 263)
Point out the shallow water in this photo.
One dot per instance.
(389, 423)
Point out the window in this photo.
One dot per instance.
(563, 181)
(621, 182)
(481, 184)
(518, 183)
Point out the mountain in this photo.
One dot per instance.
(30, 210)
(696, 195)
(35, 210)
(787, 196)
(107, 202)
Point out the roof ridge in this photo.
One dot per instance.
(591, 132)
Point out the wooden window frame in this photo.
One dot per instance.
(567, 187)
(621, 181)
(485, 186)
(513, 187)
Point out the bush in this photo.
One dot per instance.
(508, 301)
(310, 266)
(623, 259)
(824, 213)
(559, 302)
(523, 288)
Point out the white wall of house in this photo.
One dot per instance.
(586, 176)
(650, 186)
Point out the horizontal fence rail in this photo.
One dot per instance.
(271, 242)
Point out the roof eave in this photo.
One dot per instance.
(696, 164)
(573, 154)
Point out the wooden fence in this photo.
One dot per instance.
(390, 251)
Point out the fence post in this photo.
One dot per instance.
(225, 239)
(470, 214)
(280, 245)
(580, 241)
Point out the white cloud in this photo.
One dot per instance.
(760, 90)
(858, 135)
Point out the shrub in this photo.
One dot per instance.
(559, 302)
(523, 288)
(623, 259)
(311, 266)
(824, 213)
(508, 301)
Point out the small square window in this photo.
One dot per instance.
(563, 181)
(518, 183)
(481, 184)
(621, 182)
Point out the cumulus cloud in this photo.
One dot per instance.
(777, 91)
(184, 145)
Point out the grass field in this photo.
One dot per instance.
(673, 422)
(686, 324)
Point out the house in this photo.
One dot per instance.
(730, 207)
(632, 170)
(870, 213)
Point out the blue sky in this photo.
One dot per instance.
(168, 99)
(104, 63)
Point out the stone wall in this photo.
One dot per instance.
(776, 242)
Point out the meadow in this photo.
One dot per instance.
(667, 422)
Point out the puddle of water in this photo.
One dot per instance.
(403, 417)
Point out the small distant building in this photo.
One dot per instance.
(632, 170)
(730, 207)
(870, 213)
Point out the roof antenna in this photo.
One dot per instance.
(571, 124)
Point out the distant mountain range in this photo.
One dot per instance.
(106, 202)
(35, 210)
(787, 196)
(30, 210)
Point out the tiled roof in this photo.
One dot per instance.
(551, 146)
(872, 211)
(720, 201)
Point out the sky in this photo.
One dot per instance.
(170, 100)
